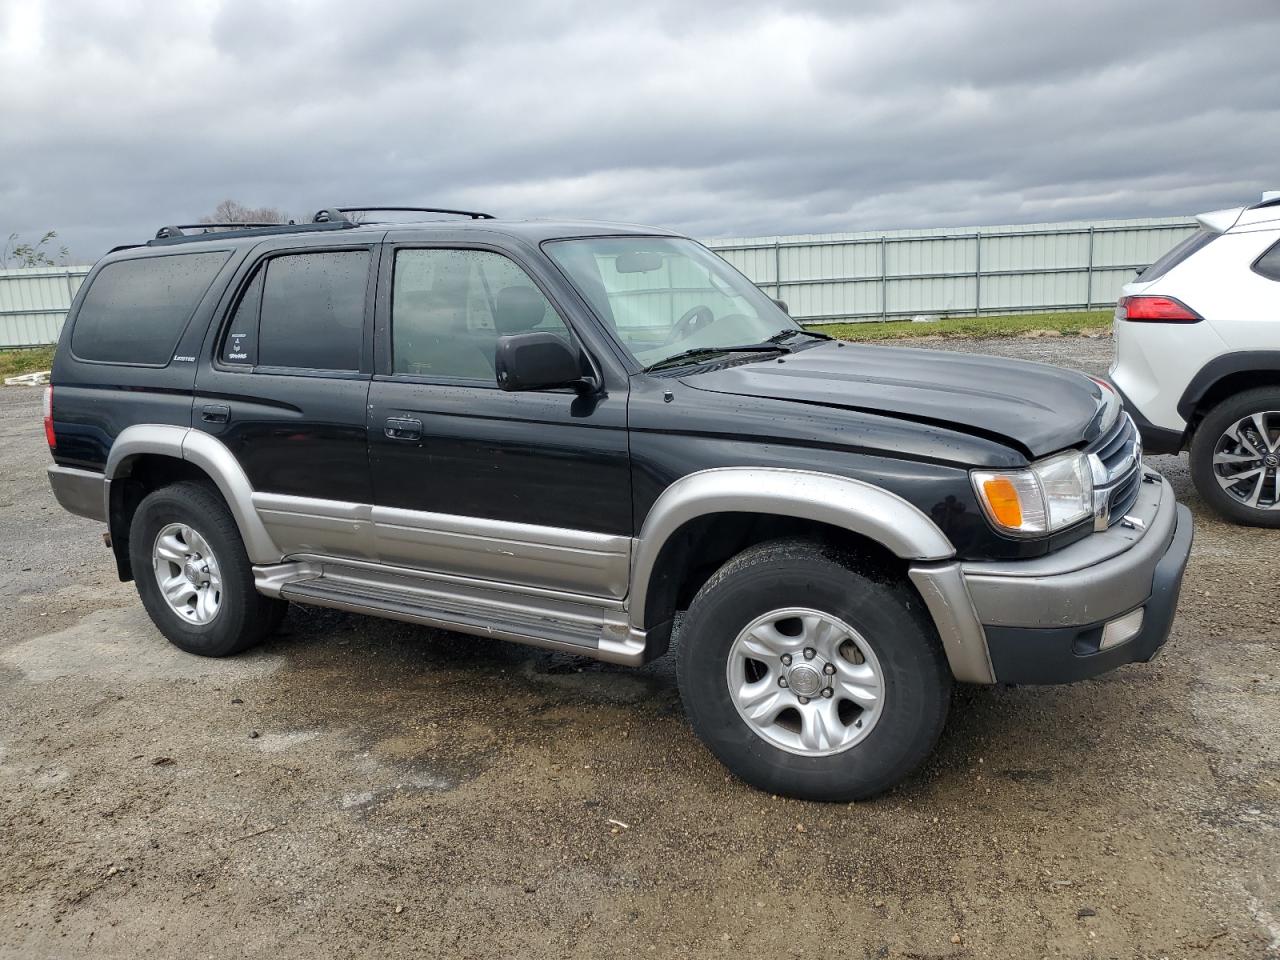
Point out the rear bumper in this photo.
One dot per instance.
(1154, 439)
(1074, 613)
(82, 492)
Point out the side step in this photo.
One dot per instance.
(474, 607)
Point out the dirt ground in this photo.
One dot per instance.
(368, 788)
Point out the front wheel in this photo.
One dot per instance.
(193, 574)
(1235, 457)
(810, 675)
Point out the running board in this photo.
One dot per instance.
(568, 624)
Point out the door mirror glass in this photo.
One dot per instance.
(536, 361)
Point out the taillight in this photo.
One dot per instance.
(48, 418)
(1155, 310)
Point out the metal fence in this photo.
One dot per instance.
(34, 302)
(827, 278)
(983, 270)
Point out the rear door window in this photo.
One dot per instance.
(303, 311)
(136, 310)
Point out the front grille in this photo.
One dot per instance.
(1116, 458)
(1124, 495)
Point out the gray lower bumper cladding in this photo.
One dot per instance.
(1105, 601)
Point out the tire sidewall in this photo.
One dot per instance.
(916, 684)
(197, 508)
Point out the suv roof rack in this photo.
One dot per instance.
(330, 218)
(176, 233)
(333, 213)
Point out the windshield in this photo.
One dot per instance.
(665, 296)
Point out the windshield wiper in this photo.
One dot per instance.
(773, 343)
(698, 353)
(793, 331)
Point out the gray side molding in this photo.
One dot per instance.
(211, 456)
(854, 505)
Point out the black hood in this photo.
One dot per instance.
(1037, 408)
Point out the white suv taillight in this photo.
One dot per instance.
(1151, 309)
(48, 418)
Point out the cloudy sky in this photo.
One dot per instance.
(733, 118)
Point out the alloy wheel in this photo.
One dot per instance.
(805, 681)
(187, 572)
(1246, 460)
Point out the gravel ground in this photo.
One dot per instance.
(362, 787)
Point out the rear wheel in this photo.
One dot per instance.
(811, 676)
(193, 574)
(1235, 457)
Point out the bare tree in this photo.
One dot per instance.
(233, 211)
(23, 253)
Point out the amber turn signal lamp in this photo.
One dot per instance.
(1003, 500)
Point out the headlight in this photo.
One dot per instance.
(1050, 495)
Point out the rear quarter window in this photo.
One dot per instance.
(136, 310)
(1268, 265)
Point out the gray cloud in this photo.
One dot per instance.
(716, 118)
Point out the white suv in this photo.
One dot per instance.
(1198, 358)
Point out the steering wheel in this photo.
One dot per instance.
(691, 321)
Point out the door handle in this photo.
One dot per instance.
(402, 428)
(215, 413)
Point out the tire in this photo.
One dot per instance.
(190, 522)
(1217, 434)
(895, 638)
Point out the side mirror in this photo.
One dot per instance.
(782, 305)
(537, 361)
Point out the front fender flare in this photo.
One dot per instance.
(854, 505)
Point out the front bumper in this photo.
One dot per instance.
(1044, 620)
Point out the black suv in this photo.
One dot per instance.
(588, 437)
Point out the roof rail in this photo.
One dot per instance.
(333, 213)
(179, 229)
(233, 231)
(330, 218)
